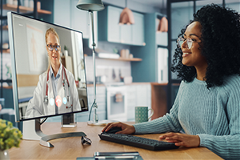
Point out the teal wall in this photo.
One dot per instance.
(146, 70)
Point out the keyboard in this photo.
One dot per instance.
(135, 141)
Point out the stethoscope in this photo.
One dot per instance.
(66, 97)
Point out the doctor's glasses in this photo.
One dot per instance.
(51, 47)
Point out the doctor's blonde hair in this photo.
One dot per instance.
(51, 30)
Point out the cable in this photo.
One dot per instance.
(90, 113)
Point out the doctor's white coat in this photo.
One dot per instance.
(36, 106)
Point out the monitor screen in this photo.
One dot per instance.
(48, 68)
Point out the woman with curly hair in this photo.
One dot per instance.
(207, 107)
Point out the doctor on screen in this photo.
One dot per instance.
(56, 92)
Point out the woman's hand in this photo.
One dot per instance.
(126, 129)
(181, 139)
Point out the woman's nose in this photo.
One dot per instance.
(184, 44)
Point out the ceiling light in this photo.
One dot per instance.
(126, 16)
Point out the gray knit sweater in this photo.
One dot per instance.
(213, 115)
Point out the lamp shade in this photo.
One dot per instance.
(163, 25)
(90, 5)
(126, 17)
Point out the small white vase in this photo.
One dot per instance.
(65, 53)
(4, 155)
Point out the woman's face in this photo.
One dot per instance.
(53, 54)
(192, 56)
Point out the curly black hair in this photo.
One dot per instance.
(220, 45)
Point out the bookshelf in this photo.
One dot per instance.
(41, 9)
(24, 9)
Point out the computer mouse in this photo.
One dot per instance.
(114, 130)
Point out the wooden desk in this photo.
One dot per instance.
(71, 148)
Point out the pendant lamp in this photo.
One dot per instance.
(126, 16)
(90, 6)
(163, 25)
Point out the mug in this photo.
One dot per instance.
(123, 53)
(141, 114)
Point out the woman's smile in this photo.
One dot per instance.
(186, 54)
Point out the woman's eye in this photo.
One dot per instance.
(194, 40)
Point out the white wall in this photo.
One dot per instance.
(105, 67)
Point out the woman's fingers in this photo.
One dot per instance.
(110, 125)
(128, 129)
(167, 135)
(173, 141)
(170, 137)
(182, 139)
(179, 144)
(106, 127)
(174, 137)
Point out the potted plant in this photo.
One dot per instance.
(9, 137)
(65, 51)
(9, 74)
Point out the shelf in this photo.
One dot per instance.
(159, 84)
(7, 87)
(5, 27)
(123, 59)
(6, 51)
(23, 9)
(120, 58)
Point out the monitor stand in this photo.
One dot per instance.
(32, 131)
(69, 120)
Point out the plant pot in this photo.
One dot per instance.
(4, 155)
(9, 82)
(65, 53)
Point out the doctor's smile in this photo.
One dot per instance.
(54, 57)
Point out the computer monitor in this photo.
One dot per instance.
(48, 71)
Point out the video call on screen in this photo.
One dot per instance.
(41, 91)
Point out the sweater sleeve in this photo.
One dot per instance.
(227, 146)
(167, 123)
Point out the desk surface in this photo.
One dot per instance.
(71, 148)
